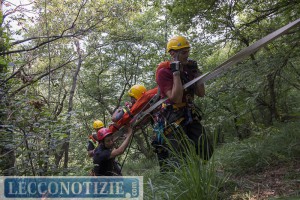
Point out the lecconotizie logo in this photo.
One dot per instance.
(72, 187)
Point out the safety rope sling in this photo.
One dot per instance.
(93, 141)
(227, 64)
(217, 71)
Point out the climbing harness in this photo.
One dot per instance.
(230, 62)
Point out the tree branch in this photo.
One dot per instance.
(40, 77)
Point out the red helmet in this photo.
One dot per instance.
(102, 133)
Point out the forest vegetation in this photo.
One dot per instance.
(64, 64)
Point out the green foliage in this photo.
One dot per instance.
(268, 148)
(121, 43)
(142, 167)
(189, 178)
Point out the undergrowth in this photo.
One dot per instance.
(279, 144)
(193, 178)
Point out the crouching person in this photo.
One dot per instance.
(105, 153)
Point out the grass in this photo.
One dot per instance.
(266, 162)
(260, 151)
(238, 170)
(190, 177)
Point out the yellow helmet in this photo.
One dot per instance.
(137, 91)
(98, 124)
(177, 42)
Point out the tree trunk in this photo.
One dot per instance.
(66, 145)
(141, 145)
(7, 145)
(272, 103)
(29, 153)
(70, 108)
(7, 152)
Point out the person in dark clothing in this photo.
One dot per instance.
(179, 111)
(92, 144)
(93, 140)
(105, 153)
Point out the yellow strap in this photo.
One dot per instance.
(175, 106)
(179, 105)
(169, 130)
(94, 143)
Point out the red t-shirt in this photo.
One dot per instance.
(165, 81)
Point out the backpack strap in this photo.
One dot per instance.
(93, 140)
(155, 98)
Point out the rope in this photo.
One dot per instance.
(128, 148)
(233, 60)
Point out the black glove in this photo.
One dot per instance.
(175, 66)
(192, 64)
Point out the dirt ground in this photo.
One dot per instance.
(275, 182)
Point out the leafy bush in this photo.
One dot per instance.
(280, 144)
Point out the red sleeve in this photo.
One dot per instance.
(164, 80)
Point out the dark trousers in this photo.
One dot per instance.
(176, 143)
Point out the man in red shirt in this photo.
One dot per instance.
(179, 109)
